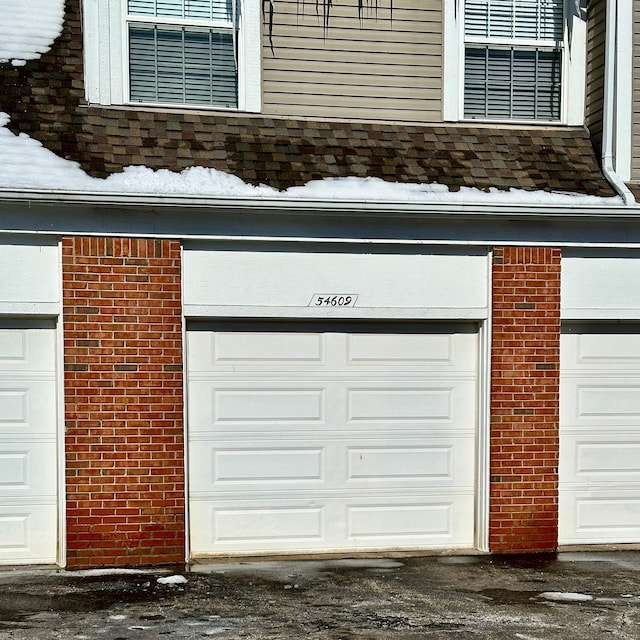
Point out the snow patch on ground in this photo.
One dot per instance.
(176, 579)
(107, 572)
(29, 29)
(565, 596)
(25, 164)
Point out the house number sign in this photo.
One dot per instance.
(333, 300)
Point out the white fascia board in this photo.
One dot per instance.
(452, 60)
(624, 91)
(103, 53)
(250, 58)
(575, 69)
(91, 47)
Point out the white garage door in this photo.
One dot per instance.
(28, 453)
(308, 439)
(600, 436)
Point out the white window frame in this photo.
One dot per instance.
(572, 98)
(106, 56)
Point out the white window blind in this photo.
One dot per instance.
(513, 59)
(186, 62)
(527, 19)
(219, 10)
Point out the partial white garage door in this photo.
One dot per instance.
(600, 435)
(28, 453)
(304, 439)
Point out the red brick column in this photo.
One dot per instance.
(123, 402)
(525, 359)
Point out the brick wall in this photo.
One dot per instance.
(525, 400)
(123, 402)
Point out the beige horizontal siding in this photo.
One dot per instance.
(336, 111)
(358, 68)
(360, 85)
(298, 59)
(594, 97)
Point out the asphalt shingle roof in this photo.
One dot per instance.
(45, 99)
(287, 152)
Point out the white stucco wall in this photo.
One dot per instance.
(601, 288)
(284, 283)
(30, 280)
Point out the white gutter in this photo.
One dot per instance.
(566, 208)
(609, 121)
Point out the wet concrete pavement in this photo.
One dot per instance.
(572, 596)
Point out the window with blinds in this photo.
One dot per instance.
(183, 51)
(513, 59)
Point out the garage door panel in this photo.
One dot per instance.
(389, 523)
(267, 349)
(604, 516)
(365, 441)
(28, 449)
(232, 350)
(398, 405)
(28, 532)
(26, 406)
(370, 463)
(332, 524)
(588, 401)
(426, 462)
(599, 438)
(264, 404)
(227, 406)
(26, 350)
(238, 467)
(372, 349)
(367, 404)
(601, 459)
(615, 352)
(287, 351)
(26, 469)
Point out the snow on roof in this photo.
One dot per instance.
(26, 165)
(29, 28)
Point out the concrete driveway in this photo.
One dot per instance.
(572, 596)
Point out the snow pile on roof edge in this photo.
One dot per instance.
(26, 165)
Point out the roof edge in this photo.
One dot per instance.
(320, 206)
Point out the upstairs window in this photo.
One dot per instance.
(201, 53)
(183, 51)
(514, 60)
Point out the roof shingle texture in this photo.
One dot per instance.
(45, 99)
(286, 152)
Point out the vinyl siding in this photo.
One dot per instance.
(364, 67)
(635, 151)
(594, 99)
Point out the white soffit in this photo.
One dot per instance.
(374, 285)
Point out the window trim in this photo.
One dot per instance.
(106, 57)
(572, 98)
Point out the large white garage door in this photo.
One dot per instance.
(600, 436)
(308, 439)
(28, 453)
